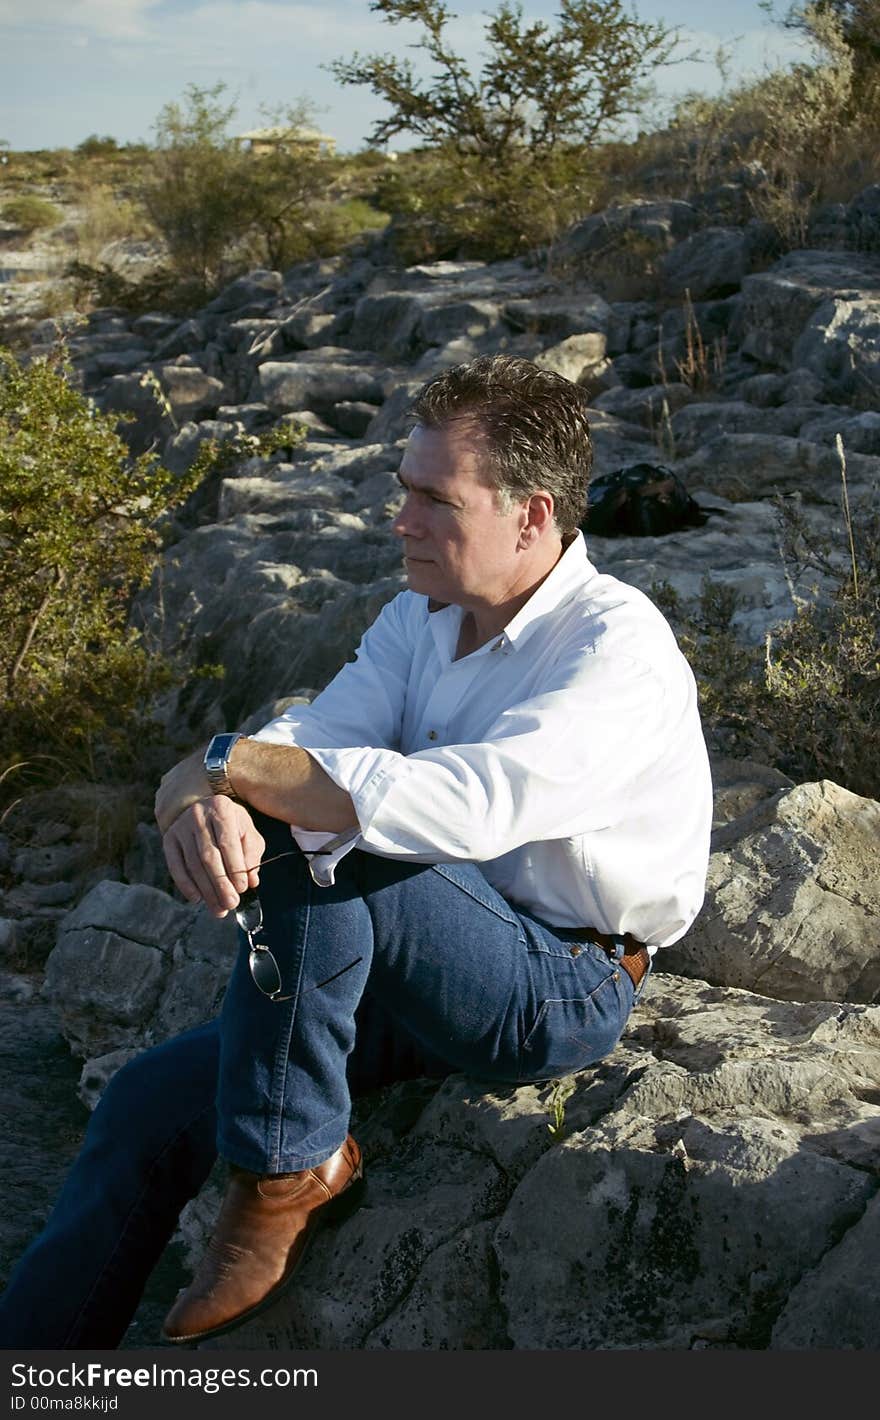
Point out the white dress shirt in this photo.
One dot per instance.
(565, 756)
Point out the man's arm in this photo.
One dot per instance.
(211, 845)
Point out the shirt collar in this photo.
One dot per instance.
(570, 575)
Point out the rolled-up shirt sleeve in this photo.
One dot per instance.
(553, 766)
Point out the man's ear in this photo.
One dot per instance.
(538, 516)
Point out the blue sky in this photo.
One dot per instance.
(69, 68)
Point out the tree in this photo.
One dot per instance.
(855, 23)
(519, 131)
(540, 87)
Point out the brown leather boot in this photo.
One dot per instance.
(262, 1232)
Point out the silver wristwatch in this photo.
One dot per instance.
(217, 761)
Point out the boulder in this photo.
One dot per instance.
(131, 966)
(702, 420)
(860, 432)
(182, 447)
(259, 288)
(559, 316)
(863, 219)
(386, 322)
(575, 357)
(283, 487)
(840, 344)
(737, 548)
(190, 392)
(645, 406)
(304, 382)
(711, 262)
(793, 900)
(749, 466)
(662, 223)
(714, 1170)
(185, 339)
(777, 304)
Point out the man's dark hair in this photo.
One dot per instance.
(534, 423)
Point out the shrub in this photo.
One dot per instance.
(193, 187)
(220, 208)
(509, 147)
(95, 147)
(808, 701)
(107, 216)
(80, 530)
(30, 213)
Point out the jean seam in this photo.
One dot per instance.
(510, 918)
(130, 1215)
(282, 1053)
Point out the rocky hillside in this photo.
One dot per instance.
(718, 1177)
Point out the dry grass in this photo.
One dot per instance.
(107, 216)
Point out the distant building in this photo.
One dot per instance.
(270, 140)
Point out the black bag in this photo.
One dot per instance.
(641, 500)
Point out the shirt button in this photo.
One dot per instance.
(432, 734)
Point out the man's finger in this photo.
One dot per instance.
(254, 846)
(178, 870)
(227, 838)
(216, 891)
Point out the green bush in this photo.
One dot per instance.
(30, 213)
(80, 531)
(444, 204)
(97, 147)
(220, 208)
(808, 701)
(507, 152)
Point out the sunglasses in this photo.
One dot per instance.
(264, 969)
(262, 963)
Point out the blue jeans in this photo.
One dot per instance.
(394, 972)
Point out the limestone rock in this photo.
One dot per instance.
(303, 383)
(777, 304)
(574, 357)
(793, 900)
(711, 262)
(132, 966)
(746, 466)
(554, 315)
(713, 1165)
(661, 222)
(841, 345)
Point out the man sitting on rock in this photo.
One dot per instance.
(472, 843)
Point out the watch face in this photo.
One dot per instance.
(219, 748)
(217, 752)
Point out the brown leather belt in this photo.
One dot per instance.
(635, 960)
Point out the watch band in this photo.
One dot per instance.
(216, 763)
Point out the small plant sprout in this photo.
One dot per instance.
(562, 1091)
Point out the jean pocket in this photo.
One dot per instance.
(571, 1033)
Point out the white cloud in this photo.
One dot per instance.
(106, 19)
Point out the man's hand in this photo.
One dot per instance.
(183, 785)
(213, 852)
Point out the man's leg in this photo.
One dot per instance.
(479, 985)
(149, 1147)
(487, 988)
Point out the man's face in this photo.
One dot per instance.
(458, 546)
